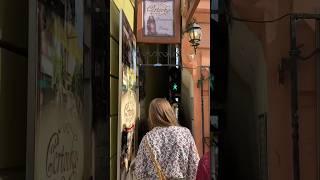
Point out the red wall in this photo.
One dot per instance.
(275, 38)
(192, 64)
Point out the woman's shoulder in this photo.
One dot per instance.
(176, 131)
(182, 129)
(168, 130)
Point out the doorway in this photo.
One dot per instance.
(159, 77)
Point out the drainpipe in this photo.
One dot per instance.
(292, 62)
(294, 53)
(202, 111)
(317, 23)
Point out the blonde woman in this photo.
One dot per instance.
(167, 151)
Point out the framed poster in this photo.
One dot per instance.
(128, 98)
(158, 21)
(60, 128)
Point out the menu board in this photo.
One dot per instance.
(128, 98)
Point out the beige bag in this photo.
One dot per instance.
(130, 174)
(155, 162)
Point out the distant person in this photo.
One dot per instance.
(151, 26)
(204, 172)
(168, 151)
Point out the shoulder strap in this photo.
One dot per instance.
(155, 162)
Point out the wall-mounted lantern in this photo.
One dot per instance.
(195, 33)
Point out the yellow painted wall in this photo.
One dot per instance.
(128, 7)
(115, 6)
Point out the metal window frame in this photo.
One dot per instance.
(263, 146)
(173, 51)
(32, 88)
(13, 48)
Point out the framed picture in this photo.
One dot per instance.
(158, 21)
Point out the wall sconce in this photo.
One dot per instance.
(195, 33)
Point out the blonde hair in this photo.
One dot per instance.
(161, 114)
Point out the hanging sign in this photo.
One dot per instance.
(158, 21)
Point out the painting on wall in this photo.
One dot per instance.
(128, 96)
(59, 129)
(160, 22)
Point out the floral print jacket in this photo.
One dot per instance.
(174, 149)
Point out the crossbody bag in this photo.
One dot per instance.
(155, 162)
